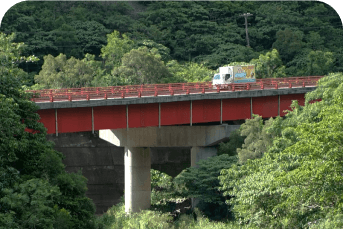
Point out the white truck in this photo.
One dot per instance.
(234, 74)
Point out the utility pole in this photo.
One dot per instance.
(246, 15)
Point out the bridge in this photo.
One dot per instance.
(141, 117)
(117, 107)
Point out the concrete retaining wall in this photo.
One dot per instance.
(103, 164)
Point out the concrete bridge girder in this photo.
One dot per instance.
(170, 136)
(137, 143)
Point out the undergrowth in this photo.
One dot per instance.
(169, 210)
(116, 218)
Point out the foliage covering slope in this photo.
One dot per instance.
(297, 182)
(35, 190)
(306, 36)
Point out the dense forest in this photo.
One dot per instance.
(114, 43)
(276, 173)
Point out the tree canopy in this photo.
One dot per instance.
(35, 190)
(211, 34)
(296, 183)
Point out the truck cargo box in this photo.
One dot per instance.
(234, 74)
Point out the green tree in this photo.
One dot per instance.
(66, 39)
(163, 194)
(36, 192)
(257, 140)
(314, 41)
(60, 72)
(320, 63)
(236, 141)
(288, 43)
(211, 33)
(269, 65)
(117, 45)
(321, 33)
(96, 67)
(312, 62)
(271, 17)
(140, 66)
(228, 52)
(202, 182)
(188, 72)
(297, 182)
(159, 50)
(193, 30)
(90, 37)
(298, 66)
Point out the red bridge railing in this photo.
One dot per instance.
(155, 90)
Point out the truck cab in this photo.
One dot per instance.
(225, 76)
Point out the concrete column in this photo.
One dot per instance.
(197, 154)
(137, 179)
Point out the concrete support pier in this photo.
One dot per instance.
(197, 154)
(201, 139)
(137, 179)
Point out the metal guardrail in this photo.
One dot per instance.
(155, 90)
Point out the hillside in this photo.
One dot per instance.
(212, 33)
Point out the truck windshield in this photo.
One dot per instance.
(216, 77)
